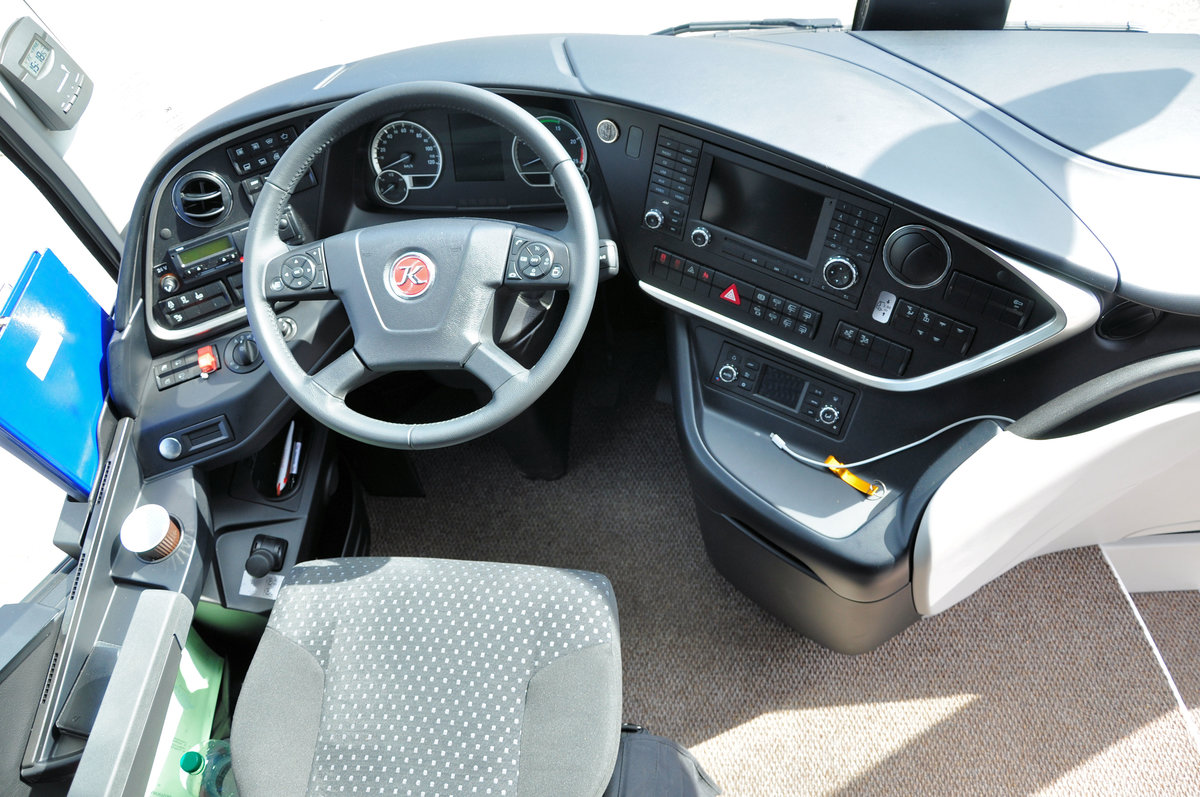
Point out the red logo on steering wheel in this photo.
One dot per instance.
(411, 275)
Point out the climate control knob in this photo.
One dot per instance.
(839, 273)
(653, 218)
(701, 237)
(829, 414)
(727, 373)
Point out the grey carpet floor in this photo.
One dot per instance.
(1040, 683)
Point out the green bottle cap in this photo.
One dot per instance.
(191, 762)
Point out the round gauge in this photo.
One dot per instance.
(530, 166)
(391, 187)
(409, 150)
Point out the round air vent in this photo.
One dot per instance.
(916, 256)
(202, 199)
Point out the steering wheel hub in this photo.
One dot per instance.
(411, 275)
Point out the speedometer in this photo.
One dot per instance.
(530, 166)
(408, 150)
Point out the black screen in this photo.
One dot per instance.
(782, 388)
(762, 208)
(480, 148)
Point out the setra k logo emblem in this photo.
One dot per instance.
(410, 276)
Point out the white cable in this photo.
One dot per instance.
(779, 442)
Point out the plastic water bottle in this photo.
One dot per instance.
(207, 770)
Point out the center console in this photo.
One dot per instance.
(852, 284)
(810, 308)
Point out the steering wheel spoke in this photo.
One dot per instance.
(495, 367)
(343, 375)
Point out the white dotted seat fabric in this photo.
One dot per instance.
(426, 665)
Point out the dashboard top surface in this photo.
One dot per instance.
(851, 109)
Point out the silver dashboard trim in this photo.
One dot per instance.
(1075, 309)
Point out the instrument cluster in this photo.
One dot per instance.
(438, 159)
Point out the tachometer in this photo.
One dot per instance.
(530, 166)
(403, 151)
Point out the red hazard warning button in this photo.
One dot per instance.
(730, 294)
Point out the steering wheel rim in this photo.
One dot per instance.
(514, 388)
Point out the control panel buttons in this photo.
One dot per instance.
(782, 388)
(875, 350)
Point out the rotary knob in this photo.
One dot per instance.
(839, 273)
(653, 218)
(701, 237)
(727, 373)
(169, 284)
(829, 414)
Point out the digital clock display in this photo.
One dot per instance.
(37, 57)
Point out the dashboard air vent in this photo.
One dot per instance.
(202, 199)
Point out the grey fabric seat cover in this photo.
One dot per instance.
(430, 677)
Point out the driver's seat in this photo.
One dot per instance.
(432, 677)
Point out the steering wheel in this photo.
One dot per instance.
(420, 294)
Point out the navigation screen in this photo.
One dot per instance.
(762, 208)
(480, 148)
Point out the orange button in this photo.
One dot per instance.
(207, 359)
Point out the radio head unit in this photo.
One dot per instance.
(795, 228)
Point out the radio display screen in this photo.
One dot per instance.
(762, 208)
(189, 256)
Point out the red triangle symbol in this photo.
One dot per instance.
(730, 294)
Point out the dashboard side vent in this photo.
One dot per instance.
(78, 576)
(202, 199)
(50, 678)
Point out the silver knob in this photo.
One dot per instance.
(839, 273)
(170, 448)
(149, 533)
(727, 373)
(653, 218)
(829, 414)
(701, 237)
(169, 284)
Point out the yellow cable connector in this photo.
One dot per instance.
(864, 487)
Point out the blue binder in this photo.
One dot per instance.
(53, 374)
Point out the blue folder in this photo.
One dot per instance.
(53, 374)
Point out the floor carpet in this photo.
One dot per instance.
(1040, 683)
